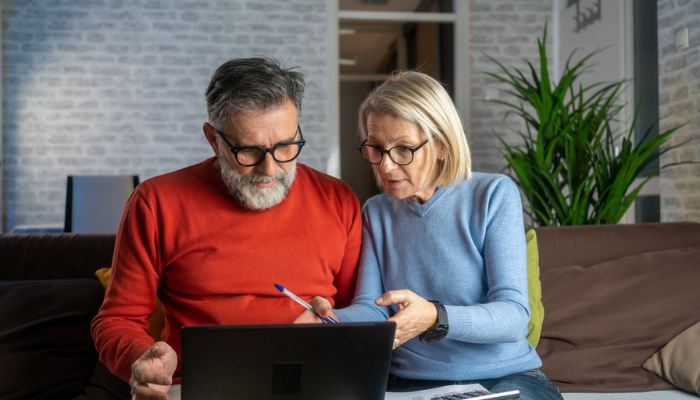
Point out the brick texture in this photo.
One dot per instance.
(679, 98)
(507, 31)
(117, 86)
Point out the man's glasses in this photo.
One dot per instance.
(249, 156)
(401, 155)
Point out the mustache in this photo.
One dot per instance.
(255, 177)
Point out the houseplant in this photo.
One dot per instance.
(575, 168)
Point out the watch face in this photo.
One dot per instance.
(435, 335)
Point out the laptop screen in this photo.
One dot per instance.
(346, 361)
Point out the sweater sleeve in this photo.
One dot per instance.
(503, 318)
(120, 329)
(369, 283)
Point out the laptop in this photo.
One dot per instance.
(346, 361)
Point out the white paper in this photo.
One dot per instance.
(175, 392)
(430, 393)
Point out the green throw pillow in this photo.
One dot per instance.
(534, 327)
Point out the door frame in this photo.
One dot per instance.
(459, 18)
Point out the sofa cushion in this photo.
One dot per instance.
(674, 394)
(104, 385)
(604, 321)
(588, 245)
(534, 326)
(46, 349)
(679, 361)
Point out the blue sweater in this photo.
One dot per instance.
(464, 247)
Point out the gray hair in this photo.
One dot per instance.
(249, 86)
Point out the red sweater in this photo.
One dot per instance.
(212, 262)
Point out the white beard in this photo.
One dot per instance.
(250, 195)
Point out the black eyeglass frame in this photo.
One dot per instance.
(235, 149)
(388, 152)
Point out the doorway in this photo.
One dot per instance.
(375, 38)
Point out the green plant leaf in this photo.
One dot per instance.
(575, 166)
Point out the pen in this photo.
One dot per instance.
(303, 303)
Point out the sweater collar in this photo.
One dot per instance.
(423, 209)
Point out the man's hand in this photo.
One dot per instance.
(416, 314)
(322, 307)
(151, 375)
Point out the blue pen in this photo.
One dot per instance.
(303, 303)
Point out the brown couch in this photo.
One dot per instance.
(48, 296)
(614, 295)
(595, 333)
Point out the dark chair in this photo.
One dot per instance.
(94, 203)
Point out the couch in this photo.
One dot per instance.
(614, 296)
(49, 293)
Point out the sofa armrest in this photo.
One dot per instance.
(54, 255)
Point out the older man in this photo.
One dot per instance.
(212, 239)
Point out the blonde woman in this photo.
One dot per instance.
(443, 251)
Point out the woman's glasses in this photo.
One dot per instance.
(400, 155)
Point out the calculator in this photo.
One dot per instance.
(481, 395)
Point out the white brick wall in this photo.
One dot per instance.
(506, 30)
(679, 99)
(116, 86)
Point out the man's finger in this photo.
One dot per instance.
(159, 349)
(145, 392)
(144, 378)
(322, 306)
(144, 375)
(307, 317)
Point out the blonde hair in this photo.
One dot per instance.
(416, 97)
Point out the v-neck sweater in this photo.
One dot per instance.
(464, 247)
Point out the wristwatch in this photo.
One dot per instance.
(438, 331)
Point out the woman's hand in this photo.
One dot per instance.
(323, 308)
(416, 314)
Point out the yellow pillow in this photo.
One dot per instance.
(156, 321)
(534, 326)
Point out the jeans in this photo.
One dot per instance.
(533, 385)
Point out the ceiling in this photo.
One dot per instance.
(379, 5)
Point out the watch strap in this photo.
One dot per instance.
(440, 329)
